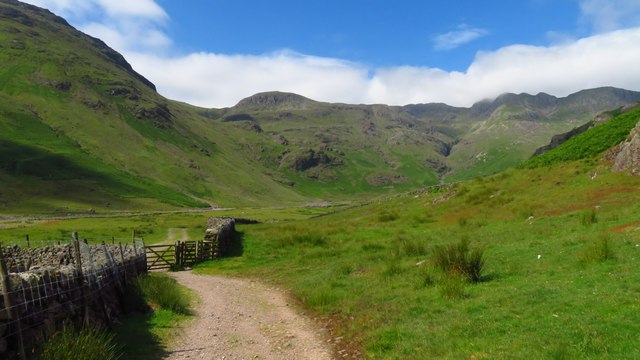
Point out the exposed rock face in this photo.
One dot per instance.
(627, 154)
(307, 159)
(159, 114)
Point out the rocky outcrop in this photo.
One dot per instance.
(626, 155)
(308, 159)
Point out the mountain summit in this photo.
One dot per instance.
(275, 100)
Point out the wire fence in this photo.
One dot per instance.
(58, 281)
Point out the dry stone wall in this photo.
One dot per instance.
(221, 231)
(45, 287)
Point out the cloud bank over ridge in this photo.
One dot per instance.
(608, 57)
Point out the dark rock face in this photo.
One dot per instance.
(159, 114)
(309, 159)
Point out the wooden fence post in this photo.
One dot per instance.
(8, 305)
(28, 243)
(176, 254)
(78, 258)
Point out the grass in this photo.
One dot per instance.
(164, 293)
(87, 344)
(375, 277)
(145, 334)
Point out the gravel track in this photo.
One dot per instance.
(243, 319)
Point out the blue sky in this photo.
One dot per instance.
(214, 53)
(373, 32)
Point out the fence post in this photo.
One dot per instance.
(176, 259)
(78, 258)
(28, 243)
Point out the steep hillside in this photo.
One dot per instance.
(91, 132)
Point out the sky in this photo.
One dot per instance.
(213, 53)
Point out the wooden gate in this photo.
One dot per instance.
(182, 253)
(160, 256)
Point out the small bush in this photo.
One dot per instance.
(458, 260)
(600, 250)
(589, 217)
(164, 292)
(88, 344)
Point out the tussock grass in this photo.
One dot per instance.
(458, 260)
(599, 250)
(589, 217)
(86, 344)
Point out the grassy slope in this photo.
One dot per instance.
(365, 269)
(60, 97)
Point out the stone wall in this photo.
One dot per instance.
(46, 287)
(222, 232)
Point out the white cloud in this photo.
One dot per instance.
(453, 39)
(126, 25)
(140, 8)
(220, 80)
(608, 15)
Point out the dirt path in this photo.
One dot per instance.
(175, 234)
(242, 319)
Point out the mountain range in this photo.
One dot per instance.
(81, 129)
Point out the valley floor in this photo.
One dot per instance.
(242, 319)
